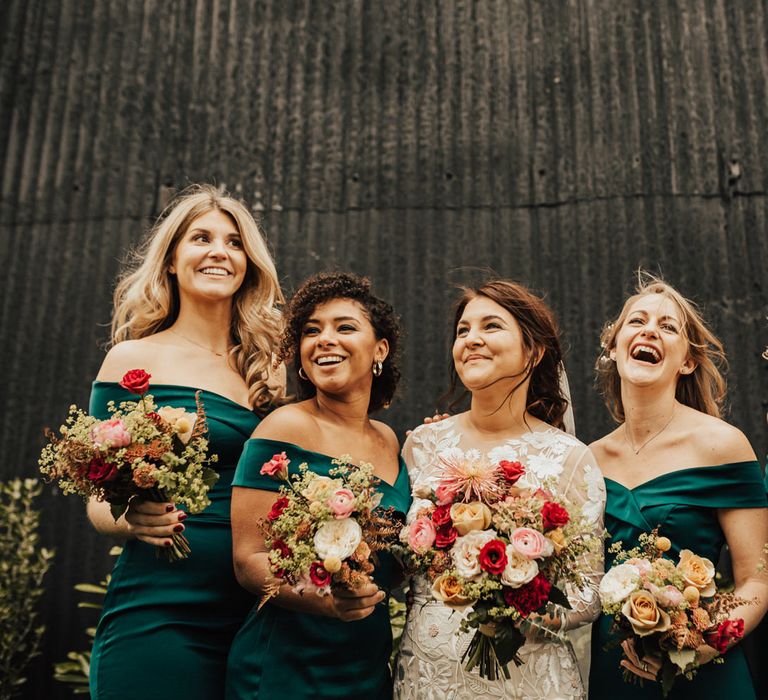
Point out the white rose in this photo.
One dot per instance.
(519, 570)
(618, 583)
(338, 538)
(466, 550)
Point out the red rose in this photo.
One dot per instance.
(100, 471)
(318, 575)
(512, 470)
(530, 597)
(277, 508)
(136, 381)
(442, 516)
(727, 631)
(446, 536)
(554, 515)
(493, 557)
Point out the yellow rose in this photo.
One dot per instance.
(644, 615)
(448, 589)
(470, 516)
(557, 538)
(181, 421)
(698, 572)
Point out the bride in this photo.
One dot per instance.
(507, 355)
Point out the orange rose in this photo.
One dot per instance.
(448, 589)
(644, 614)
(698, 572)
(470, 516)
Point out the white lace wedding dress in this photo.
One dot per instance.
(429, 666)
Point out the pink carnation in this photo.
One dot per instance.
(277, 467)
(341, 503)
(110, 433)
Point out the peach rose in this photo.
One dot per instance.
(698, 572)
(644, 614)
(470, 516)
(448, 589)
(180, 420)
(557, 538)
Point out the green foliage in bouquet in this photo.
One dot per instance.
(23, 565)
(76, 670)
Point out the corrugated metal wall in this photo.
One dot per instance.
(560, 143)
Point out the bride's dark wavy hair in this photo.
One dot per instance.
(541, 339)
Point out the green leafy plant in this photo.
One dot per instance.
(23, 565)
(76, 670)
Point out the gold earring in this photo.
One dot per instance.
(377, 368)
(303, 374)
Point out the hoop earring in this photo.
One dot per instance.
(378, 368)
(303, 374)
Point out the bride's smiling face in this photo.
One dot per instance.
(488, 346)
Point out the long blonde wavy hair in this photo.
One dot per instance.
(703, 389)
(146, 299)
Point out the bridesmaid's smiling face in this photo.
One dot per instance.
(651, 346)
(339, 347)
(488, 347)
(209, 261)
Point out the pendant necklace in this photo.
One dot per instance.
(194, 342)
(653, 437)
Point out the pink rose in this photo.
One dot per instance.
(341, 503)
(530, 544)
(421, 535)
(110, 433)
(666, 596)
(445, 495)
(277, 467)
(643, 565)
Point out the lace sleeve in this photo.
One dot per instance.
(585, 491)
(413, 456)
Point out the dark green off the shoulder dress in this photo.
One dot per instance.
(683, 505)
(166, 627)
(279, 653)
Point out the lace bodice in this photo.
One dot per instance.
(430, 664)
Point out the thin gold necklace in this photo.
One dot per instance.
(653, 437)
(194, 342)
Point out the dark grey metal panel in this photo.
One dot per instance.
(562, 143)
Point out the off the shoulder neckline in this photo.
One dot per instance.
(683, 470)
(401, 463)
(181, 386)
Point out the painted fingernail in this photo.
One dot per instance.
(182, 516)
(179, 528)
(167, 543)
(170, 508)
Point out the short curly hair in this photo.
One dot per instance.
(322, 288)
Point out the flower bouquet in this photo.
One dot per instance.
(504, 551)
(325, 531)
(158, 454)
(669, 610)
